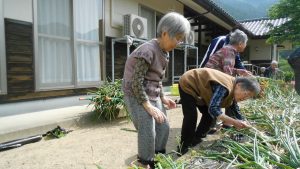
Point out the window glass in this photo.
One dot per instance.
(68, 43)
(149, 14)
(54, 43)
(88, 14)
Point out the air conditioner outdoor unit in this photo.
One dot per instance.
(190, 39)
(135, 26)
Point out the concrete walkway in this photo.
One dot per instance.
(111, 145)
(23, 119)
(18, 120)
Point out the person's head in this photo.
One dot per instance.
(238, 39)
(171, 30)
(274, 64)
(245, 88)
(262, 69)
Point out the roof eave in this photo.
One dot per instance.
(215, 10)
(260, 36)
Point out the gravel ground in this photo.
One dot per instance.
(105, 144)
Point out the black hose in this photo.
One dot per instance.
(19, 142)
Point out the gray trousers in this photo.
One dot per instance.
(152, 136)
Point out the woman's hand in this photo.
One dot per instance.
(169, 102)
(244, 72)
(158, 115)
(239, 124)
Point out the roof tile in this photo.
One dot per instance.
(261, 27)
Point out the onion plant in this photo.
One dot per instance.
(108, 100)
(274, 137)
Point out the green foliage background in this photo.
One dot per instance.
(245, 9)
(290, 30)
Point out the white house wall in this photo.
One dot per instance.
(18, 9)
(259, 50)
(115, 9)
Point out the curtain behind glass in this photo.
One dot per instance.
(54, 43)
(87, 16)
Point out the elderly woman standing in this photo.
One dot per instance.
(142, 86)
(224, 59)
(209, 90)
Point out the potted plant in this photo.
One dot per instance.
(108, 100)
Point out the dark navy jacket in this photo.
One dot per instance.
(216, 44)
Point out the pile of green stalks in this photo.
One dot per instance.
(272, 141)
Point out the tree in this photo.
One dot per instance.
(291, 29)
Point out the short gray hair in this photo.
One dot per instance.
(274, 62)
(237, 37)
(248, 84)
(173, 23)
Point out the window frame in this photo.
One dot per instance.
(3, 75)
(74, 42)
(153, 15)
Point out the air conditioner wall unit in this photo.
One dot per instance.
(190, 39)
(135, 26)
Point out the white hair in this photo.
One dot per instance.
(274, 62)
(237, 37)
(173, 23)
(248, 84)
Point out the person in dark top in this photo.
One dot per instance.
(209, 90)
(294, 61)
(216, 44)
(224, 59)
(271, 70)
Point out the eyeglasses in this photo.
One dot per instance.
(178, 40)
